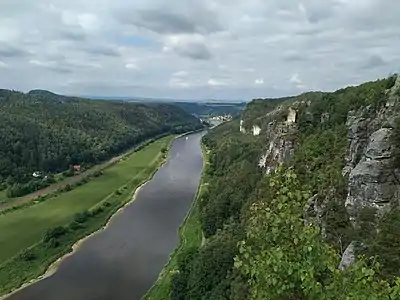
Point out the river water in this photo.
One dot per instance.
(124, 260)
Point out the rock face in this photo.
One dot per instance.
(373, 180)
(349, 257)
(280, 144)
(241, 128)
(373, 183)
(256, 130)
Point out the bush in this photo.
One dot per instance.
(67, 188)
(55, 232)
(391, 81)
(98, 173)
(106, 204)
(27, 255)
(52, 243)
(118, 192)
(75, 226)
(97, 211)
(82, 217)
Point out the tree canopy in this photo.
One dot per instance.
(47, 133)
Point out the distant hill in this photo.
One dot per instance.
(46, 132)
(161, 100)
(211, 109)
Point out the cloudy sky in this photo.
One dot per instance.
(196, 49)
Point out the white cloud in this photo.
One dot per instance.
(180, 74)
(295, 79)
(259, 81)
(216, 82)
(176, 82)
(188, 45)
(94, 46)
(131, 66)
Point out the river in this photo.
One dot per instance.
(124, 260)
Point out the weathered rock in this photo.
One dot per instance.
(281, 145)
(241, 127)
(380, 145)
(372, 183)
(280, 150)
(256, 130)
(349, 257)
(357, 137)
(373, 179)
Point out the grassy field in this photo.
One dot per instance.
(3, 196)
(190, 236)
(9, 203)
(24, 228)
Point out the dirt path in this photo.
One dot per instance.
(54, 187)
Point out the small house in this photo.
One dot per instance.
(36, 174)
(77, 168)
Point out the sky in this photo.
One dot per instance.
(192, 49)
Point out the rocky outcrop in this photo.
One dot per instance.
(241, 127)
(280, 142)
(349, 257)
(373, 180)
(373, 183)
(256, 130)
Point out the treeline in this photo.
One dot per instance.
(47, 133)
(258, 243)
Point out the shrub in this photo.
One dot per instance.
(97, 211)
(106, 204)
(82, 217)
(98, 173)
(52, 243)
(75, 226)
(67, 188)
(27, 255)
(55, 232)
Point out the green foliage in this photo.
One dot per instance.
(82, 217)
(50, 133)
(203, 273)
(233, 176)
(27, 255)
(261, 244)
(396, 144)
(380, 240)
(391, 81)
(284, 257)
(54, 233)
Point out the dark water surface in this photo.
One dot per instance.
(124, 260)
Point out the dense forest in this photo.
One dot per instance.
(47, 133)
(262, 242)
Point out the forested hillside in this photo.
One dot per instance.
(306, 206)
(48, 133)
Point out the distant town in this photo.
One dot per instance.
(223, 118)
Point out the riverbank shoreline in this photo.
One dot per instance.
(53, 267)
(168, 268)
(86, 176)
